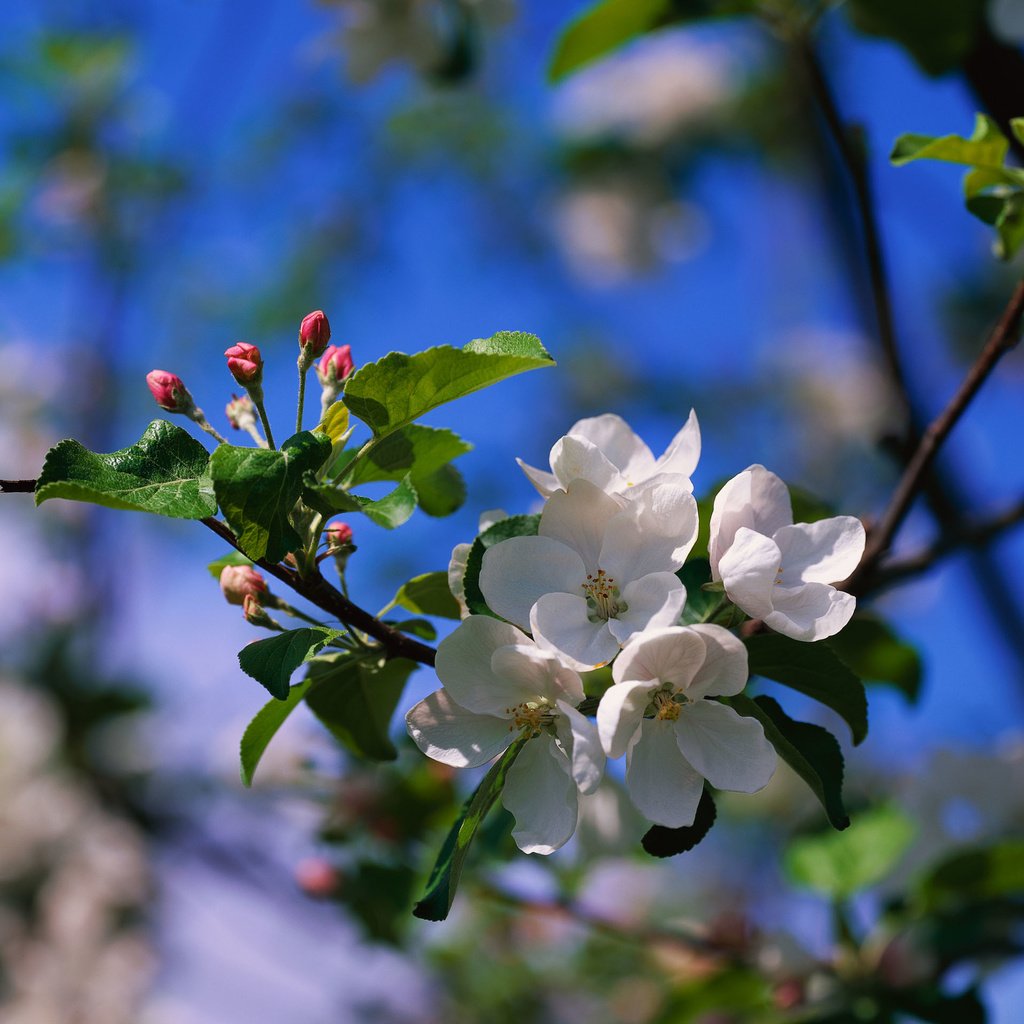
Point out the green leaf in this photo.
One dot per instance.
(609, 24)
(355, 700)
(392, 392)
(427, 595)
(700, 604)
(444, 878)
(1010, 227)
(938, 35)
(812, 752)
(272, 661)
(165, 472)
(877, 655)
(257, 490)
(216, 567)
(815, 670)
(442, 492)
(422, 628)
(987, 147)
(839, 864)
(391, 511)
(262, 729)
(660, 841)
(974, 875)
(926, 1003)
(504, 529)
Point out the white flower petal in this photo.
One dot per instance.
(541, 795)
(518, 571)
(654, 601)
(729, 750)
(683, 452)
(810, 612)
(449, 733)
(621, 447)
(662, 784)
(725, 670)
(546, 483)
(559, 623)
(576, 458)
(823, 552)
(584, 744)
(620, 712)
(537, 672)
(464, 664)
(456, 575)
(673, 655)
(577, 517)
(756, 499)
(654, 533)
(749, 570)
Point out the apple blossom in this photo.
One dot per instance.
(239, 581)
(169, 391)
(597, 572)
(657, 712)
(338, 534)
(777, 571)
(499, 685)
(605, 451)
(245, 364)
(314, 333)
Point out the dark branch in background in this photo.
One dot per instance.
(318, 591)
(1004, 337)
(17, 486)
(971, 535)
(995, 72)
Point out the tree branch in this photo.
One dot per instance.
(1003, 338)
(17, 486)
(315, 589)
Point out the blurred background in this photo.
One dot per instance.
(674, 224)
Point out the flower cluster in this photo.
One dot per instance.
(598, 584)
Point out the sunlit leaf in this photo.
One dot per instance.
(262, 729)
(272, 661)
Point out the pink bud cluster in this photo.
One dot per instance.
(335, 365)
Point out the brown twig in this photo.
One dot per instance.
(17, 486)
(1003, 338)
(315, 589)
(969, 535)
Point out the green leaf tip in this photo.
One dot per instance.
(166, 472)
(272, 661)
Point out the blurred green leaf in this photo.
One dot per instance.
(217, 566)
(980, 873)
(986, 148)
(427, 594)
(814, 670)
(444, 878)
(812, 752)
(391, 511)
(272, 661)
(838, 864)
(700, 604)
(927, 1003)
(262, 729)
(355, 699)
(876, 654)
(938, 35)
(165, 472)
(660, 841)
(258, 488)
(422, 628)
(392, 392)
(442, 492)
(504, 529)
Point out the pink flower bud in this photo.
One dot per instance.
(169, 391)
(314, 332)
(240, 411)
(338, 535)
(241, 581)
(336, 364)
(254, 612)
(245, 363)
(317, 877)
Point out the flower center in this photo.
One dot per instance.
(603, 599)
(666, 707)
(535, 715)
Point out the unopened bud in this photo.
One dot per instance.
(314, 333)
(241, 413)
(338, 535)
(245, 364)
(170, 392)
(241, 581)
(335, 365)
(317, 877)
(255, 614)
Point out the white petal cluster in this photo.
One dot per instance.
(598, 585)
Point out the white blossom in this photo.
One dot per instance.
(777, 571)
(498, 686)
(605, 451)
(658, 713)
(597, 572)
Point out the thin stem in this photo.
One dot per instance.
(1003, 338)
(315, 589)
(283, 606)
(265, 420)
(302, 395)
(206, 425)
